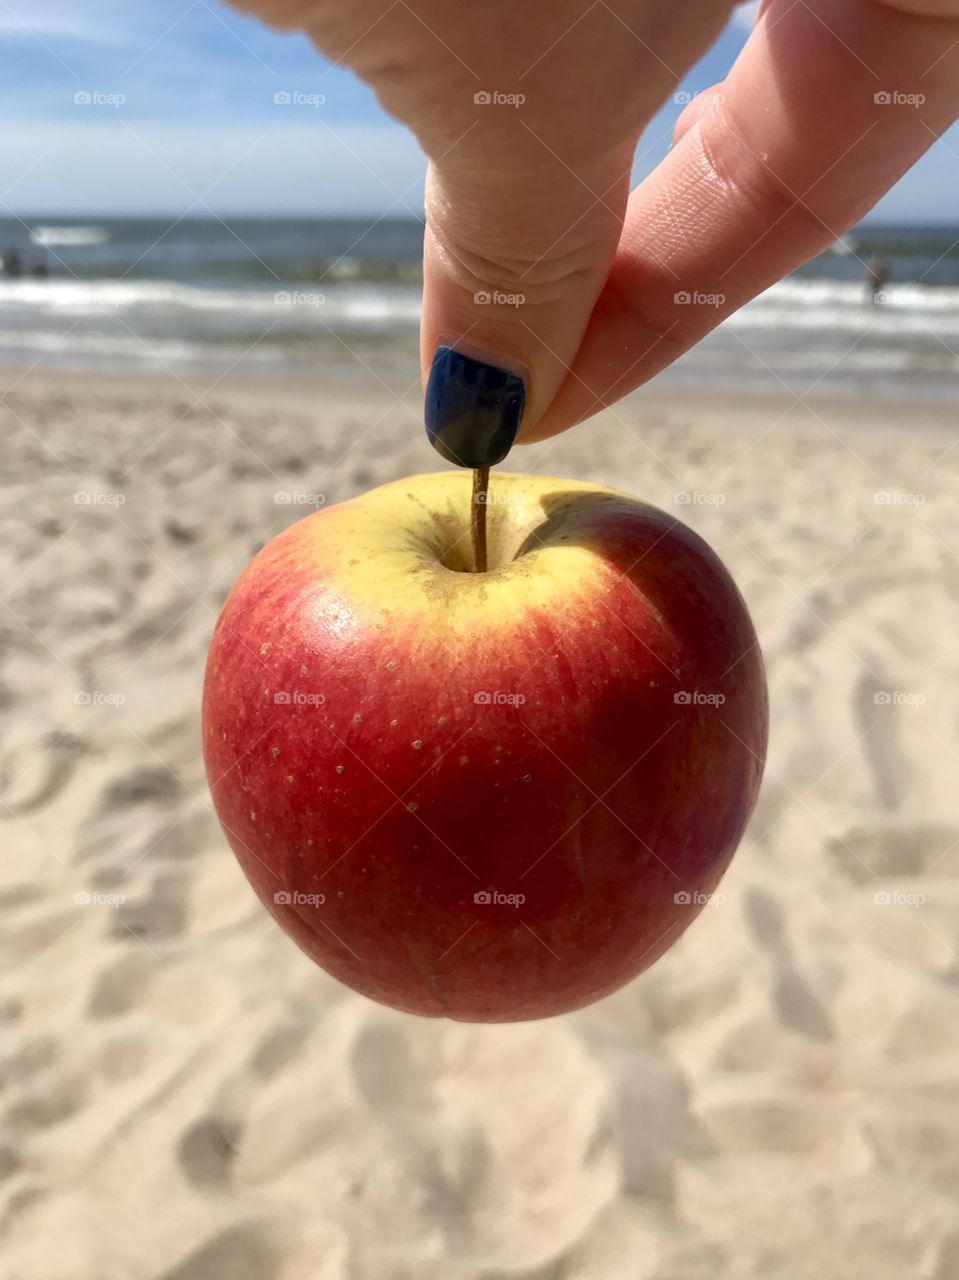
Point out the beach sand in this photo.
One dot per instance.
(183, 1095)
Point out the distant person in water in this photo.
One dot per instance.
(12, 264)
(877, 274)
(38, 266)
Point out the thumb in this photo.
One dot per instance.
(519, 243)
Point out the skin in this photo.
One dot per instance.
(380, 782)
(768, 168)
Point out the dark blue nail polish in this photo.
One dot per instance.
(473, 409)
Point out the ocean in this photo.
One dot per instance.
(270, 295)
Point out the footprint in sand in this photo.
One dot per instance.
(39, 773)
(880, 743)
(797, 1004)
(894, 849)
(401, 1093)
(41, 1111)
(121, 986)
(161, 913)
(19, 895)
(185, 838)
(277, 1049)
(765, 919)
(31, 1057)
(146, 783)
(239, 1253)
(206, 1151)
(386, 1074)
(10, 1162)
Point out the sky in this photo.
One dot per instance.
(169, 106)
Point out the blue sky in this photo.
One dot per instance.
(198, 127)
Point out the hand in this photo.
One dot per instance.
(527, 195)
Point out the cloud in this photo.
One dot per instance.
(54, 21)
(745, 15)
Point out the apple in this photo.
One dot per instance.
(486, 796)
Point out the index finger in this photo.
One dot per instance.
(828, 104)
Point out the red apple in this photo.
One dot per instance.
(491, 796)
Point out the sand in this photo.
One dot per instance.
(183, 1095)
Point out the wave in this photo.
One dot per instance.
(805, 302)
(803, 326)
(51, 237)
(907, 310)
(301, 307)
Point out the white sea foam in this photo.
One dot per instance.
(51, 237)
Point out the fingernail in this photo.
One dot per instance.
(473, 409)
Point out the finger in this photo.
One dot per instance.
(524, 214)
(827, 106)
(514, 261)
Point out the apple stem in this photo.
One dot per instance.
(478, 517)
